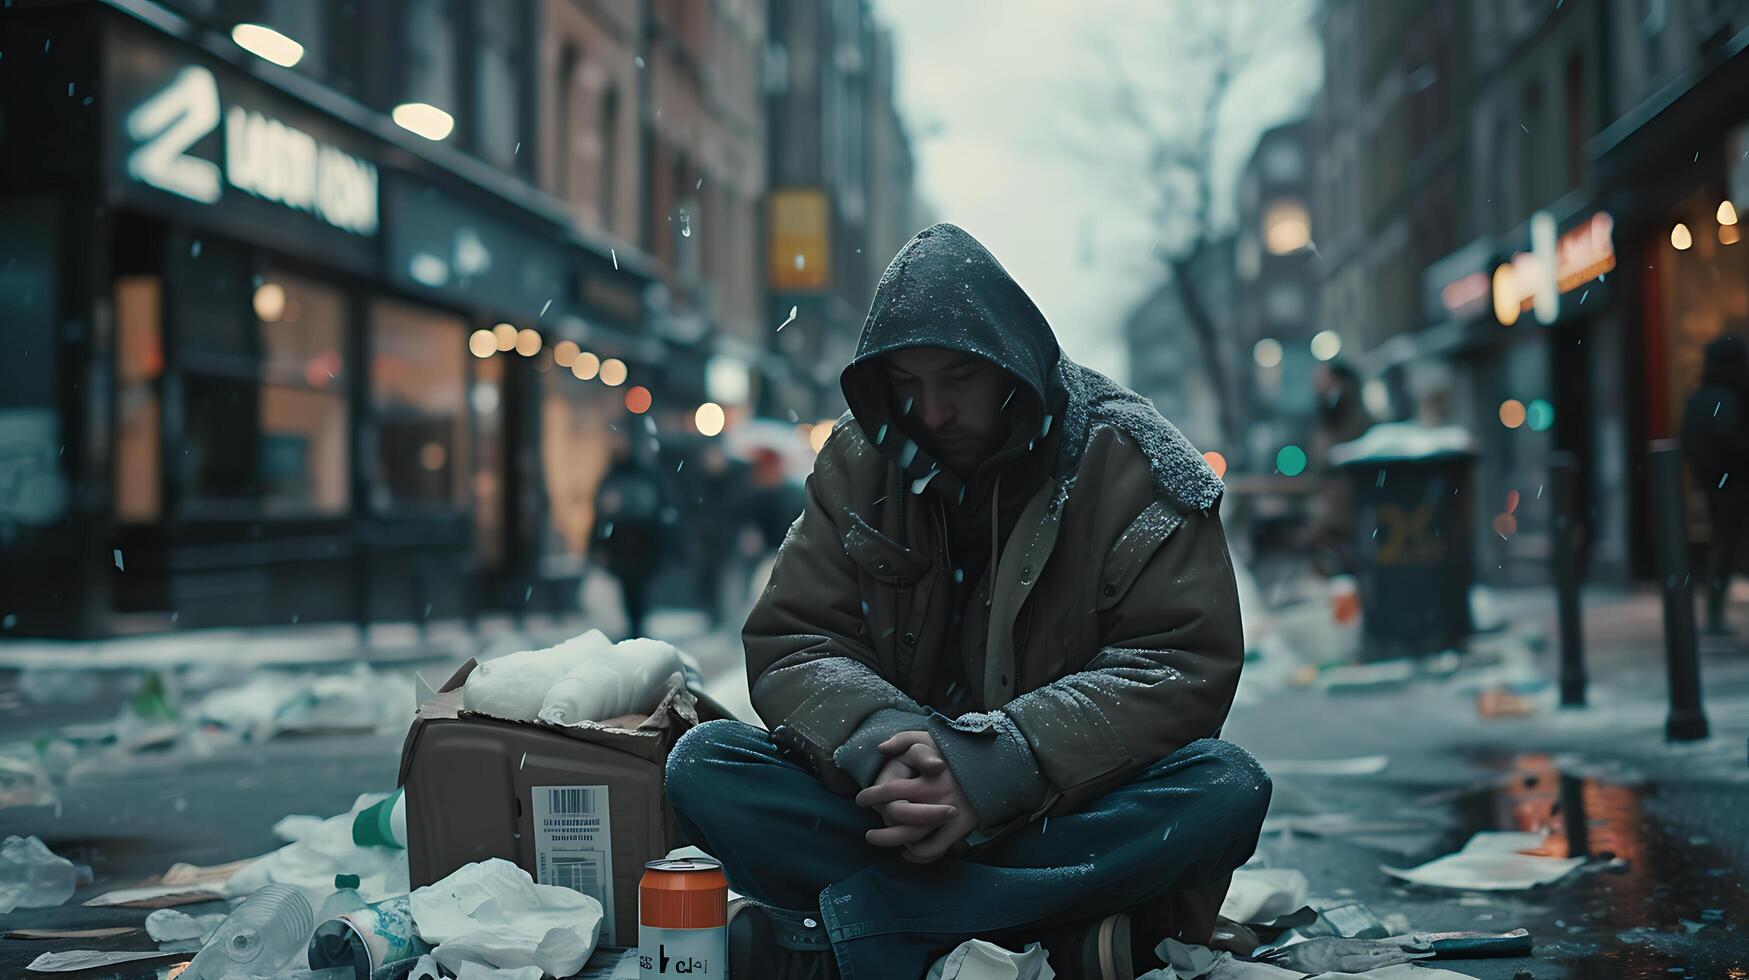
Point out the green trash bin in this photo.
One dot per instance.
(1414, 551)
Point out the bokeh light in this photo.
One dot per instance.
(528, 342)
(482, 343)
(506, 336)
(1512, 413)
(613, 372)
(638, 399)
(565, 352)
(1539, 414)
(818, 435)
(269, 302)
(1267, 352)
(1291, 460)
(1216, 462)
(709, 418)
(585, 366)
(1681, 237)
(1326, 344)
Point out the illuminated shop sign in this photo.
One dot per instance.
(263, 156)
(1536, 280)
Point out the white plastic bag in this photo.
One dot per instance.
(628, 679)
(321, 849)
(514, 687)
(493, 914)
(977, 959)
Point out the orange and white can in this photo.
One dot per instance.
(683, 920)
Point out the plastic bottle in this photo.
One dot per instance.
(345, 899)
(259, 937)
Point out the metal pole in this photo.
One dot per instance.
(1567, 582)
(1687, 720)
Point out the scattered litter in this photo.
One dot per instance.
(155, 897)
(1377, 676)
(24, 780)
(493, 914)
(73, 960)
(976, 959)
(261, 936)
(1343, 955)
(169, 925)
(1491, 861)
(110, 933)
(318, 850)
(32, 876)
(1502, 703)
(1263, 895)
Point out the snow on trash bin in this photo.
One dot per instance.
(492, 914)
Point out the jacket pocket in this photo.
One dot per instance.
(1137, 543)
(882, 557)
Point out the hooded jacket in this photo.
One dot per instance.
(1101, 632)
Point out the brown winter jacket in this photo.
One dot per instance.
(1111, 637)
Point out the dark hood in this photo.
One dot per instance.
(946, 290)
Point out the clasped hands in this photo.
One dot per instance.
(917, 795)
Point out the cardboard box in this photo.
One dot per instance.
(574, 805)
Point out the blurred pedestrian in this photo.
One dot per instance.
(722, 509)
(629, 530)
(1341, 417)
(1715, 442)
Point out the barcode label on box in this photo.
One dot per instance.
(573, 843)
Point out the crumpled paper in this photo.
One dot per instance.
(1491, 861)
(976, 959)
(1262, 895)
(492, 914)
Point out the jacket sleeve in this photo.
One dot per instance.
(812, 676)
(1172, 648)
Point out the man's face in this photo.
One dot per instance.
(955, 403)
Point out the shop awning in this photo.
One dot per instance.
(1662, 135)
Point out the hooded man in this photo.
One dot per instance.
(1008, 599)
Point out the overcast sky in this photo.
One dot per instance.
(985, 86)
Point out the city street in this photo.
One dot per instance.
(1394, 775)
(418, 416)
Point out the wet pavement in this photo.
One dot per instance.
(1665, 826)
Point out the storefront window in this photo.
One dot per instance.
(1703, 290)
(264, 412)
(418, 377)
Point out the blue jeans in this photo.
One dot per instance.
(788, 842)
